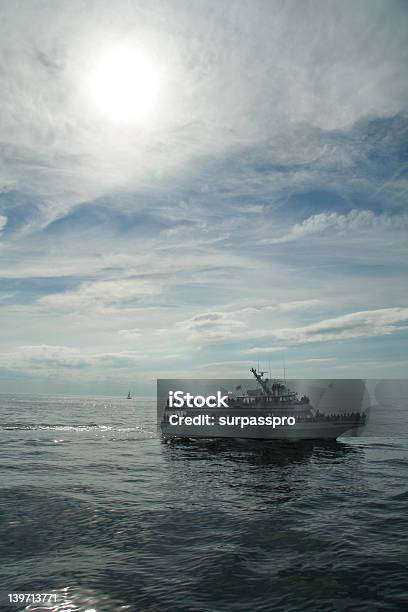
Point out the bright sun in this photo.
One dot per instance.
(124, 84)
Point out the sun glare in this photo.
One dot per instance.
(124, 84)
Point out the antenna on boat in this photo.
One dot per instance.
(261, 381)
(284, 369)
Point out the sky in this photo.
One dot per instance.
(188, 188)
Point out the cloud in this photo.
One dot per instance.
(45, 357)
(233, 363)
(130, 333)
(101, 294)
(220, 327)
(268, 194)
(355, 221)
(3, 222)
(212, 326)
(255, 350)
(224, 88)
(314, 360)
(240, 323)
(369, 323)
(52, 358)
(280, 307)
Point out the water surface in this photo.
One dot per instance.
(96, 508)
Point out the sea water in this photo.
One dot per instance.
(96, 509)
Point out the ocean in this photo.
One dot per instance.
(97, 510)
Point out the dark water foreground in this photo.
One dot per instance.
(95, 508)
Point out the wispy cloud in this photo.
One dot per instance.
(241, 323)
(3, 222)
(60, 148)
(54, 358)
(264, 350)
(369, 323)
(212, 326)
(264, 206)
(45, 358)
(356, 221)
(220, 327)
(101, 294)
(130, 333)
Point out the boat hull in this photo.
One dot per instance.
(302, 430)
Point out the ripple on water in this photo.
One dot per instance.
(96, 508)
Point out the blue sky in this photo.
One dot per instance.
(258, 214)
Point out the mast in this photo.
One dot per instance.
(261, 381)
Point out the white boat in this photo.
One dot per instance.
(271, 411)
